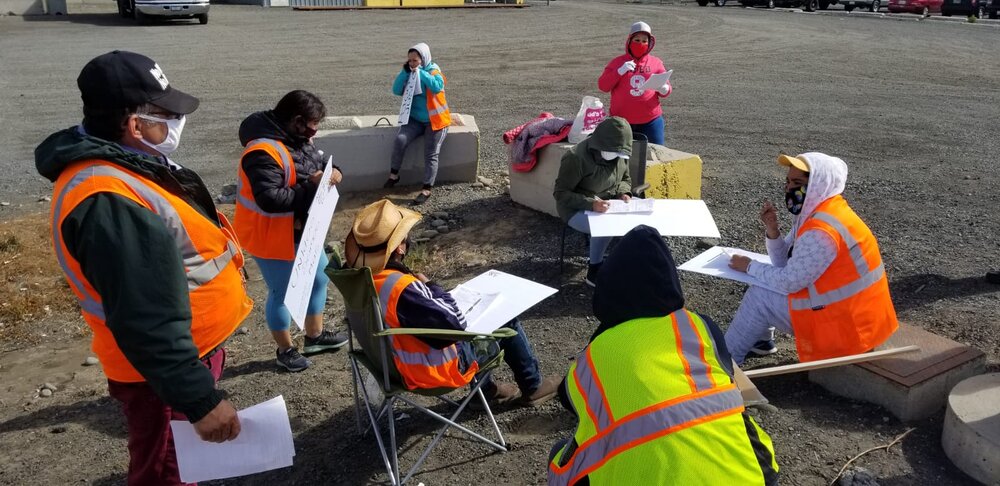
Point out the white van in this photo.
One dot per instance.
(145, 11)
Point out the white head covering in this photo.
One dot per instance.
(827, 177)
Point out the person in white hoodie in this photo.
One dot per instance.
(826, 283)
(423, 112)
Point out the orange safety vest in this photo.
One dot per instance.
(211, 255)
(437, 106)
(263, 234)
(420, 365)
(848, 309)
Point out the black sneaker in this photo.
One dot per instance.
(591, 278)
(327, 340)
(764, 348)
(291, 360)
(993, 277)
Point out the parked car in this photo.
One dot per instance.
(961, 7)
(807, 5)
(922, 7)
(870, 5)
(145, 11)
(989, 7)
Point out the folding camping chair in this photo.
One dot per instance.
(636, 171)
(365, 325)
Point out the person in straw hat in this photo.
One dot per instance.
(379, 239)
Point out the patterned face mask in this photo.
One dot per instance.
(795, 198)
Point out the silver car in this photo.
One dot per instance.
(145, 11)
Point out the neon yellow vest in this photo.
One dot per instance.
(655, 407)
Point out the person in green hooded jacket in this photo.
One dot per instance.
(590, 174)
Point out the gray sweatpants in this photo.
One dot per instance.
(432, 147)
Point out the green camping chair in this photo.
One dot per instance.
(365, 325)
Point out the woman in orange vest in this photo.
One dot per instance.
(279, 174)
(826, 281)
(424, 111)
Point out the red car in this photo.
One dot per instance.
(923, 7)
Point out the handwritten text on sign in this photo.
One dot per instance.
(311, 247)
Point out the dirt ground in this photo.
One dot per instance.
(910, 105)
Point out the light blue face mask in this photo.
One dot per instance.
(174, 128)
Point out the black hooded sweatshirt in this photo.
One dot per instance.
(267, 179)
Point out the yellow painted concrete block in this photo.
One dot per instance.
(432, 3)
(672, 174)
(382, 3)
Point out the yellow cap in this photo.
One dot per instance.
(797, 162)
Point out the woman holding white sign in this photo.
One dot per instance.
(279, 173)
(835, 295)
(423, 112)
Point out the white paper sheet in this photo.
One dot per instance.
(655, 81)
(264, 443)
(715, 262)
(515, 295)
(634, 205)
(311, 246)
(671, 217)
(474, 304)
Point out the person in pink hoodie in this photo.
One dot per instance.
(624, 76)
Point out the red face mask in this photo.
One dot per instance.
(638, 49)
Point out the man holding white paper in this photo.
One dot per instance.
(829, 265)
(379, 239)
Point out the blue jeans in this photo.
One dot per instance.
(653, 130)
(598, 246)
(432, 147)
(517, 353)
(276, 274)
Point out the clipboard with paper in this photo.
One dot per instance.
(493, 298)
(655, 81)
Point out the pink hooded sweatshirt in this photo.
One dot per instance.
(627, 101)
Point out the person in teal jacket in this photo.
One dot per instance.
(424, 111)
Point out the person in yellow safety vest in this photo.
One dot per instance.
(153, 264)
(826, 283)
(653, 391)
(423, 112)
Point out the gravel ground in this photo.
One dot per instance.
(909, 104)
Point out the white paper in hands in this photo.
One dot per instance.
(264, 443)
(657, 81)
(514, 296)
(715, 262)
(634, 205)
(473, 304)
(311, 246)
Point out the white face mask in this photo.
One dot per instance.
(609, 155)
(174, 128)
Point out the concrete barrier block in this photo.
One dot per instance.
(671, 174)
(363, 151)
(971, 435)
(912, 386)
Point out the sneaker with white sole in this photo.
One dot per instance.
(291, 360)
(764, 348)
(326, 341)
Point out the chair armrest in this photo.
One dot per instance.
(446, 333)
(640, 189)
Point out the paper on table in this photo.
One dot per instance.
(311, 246)
(264, 443)
(715, 262)
(671, 217)
(655, 81)
(514, 296)
(634, 205)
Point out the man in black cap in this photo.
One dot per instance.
(154, 266)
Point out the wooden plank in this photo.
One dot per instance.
(829, 363)
(751, 395)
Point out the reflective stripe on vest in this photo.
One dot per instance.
(692, 352)
(286, 163)
(437, 109)
(866, 278)
(87, 303)
(199, 270)
(590, 387)
(386, 291)
(656, 421)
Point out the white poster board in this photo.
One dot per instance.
(311, 246)
(514, 295)
(715, 262)
(264, 443)
(671, 217)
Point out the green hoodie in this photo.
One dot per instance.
(130, 258)
(585, 176)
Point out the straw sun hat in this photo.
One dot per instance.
(378, 230)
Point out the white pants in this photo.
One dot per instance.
(759, 310)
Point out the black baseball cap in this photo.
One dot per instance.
(121, 78)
